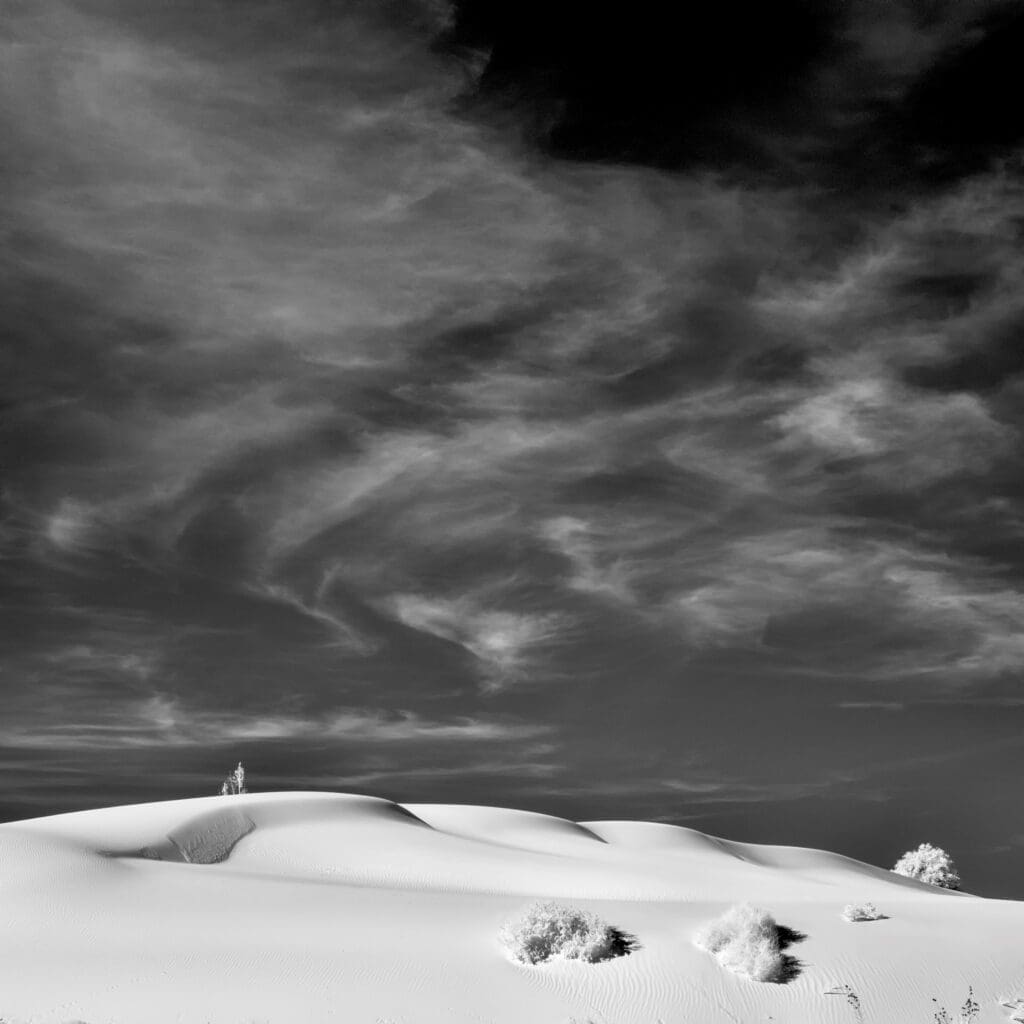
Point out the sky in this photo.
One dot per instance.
(520, 404)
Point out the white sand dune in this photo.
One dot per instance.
(310, 907)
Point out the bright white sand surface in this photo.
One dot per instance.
(290, 908)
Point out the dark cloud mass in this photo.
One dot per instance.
(510, 403)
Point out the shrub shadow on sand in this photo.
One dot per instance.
(791, 965)
(622, 944)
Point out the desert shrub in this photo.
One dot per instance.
(547, 931)
(234, 784)
(929, 864)
(862, 912)
(968, 1012)
(745, 940)
(967, 1015)
(851, 998)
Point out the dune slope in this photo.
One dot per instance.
(289, 907)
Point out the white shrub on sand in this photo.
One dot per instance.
(929, 864)
(548, 931)
(234, 784)
(745, 940)
(862, 912)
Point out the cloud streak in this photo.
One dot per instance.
(163, 722)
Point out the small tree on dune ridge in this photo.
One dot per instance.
(234, 784)
(929, 864)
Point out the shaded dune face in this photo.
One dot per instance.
(654, 835)
(524, 829)
(367, 841)
(210, 838)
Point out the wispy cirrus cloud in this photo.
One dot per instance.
(889, 611)
(572, 538)
(502, 642)
(341, 633)
(928, 437)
